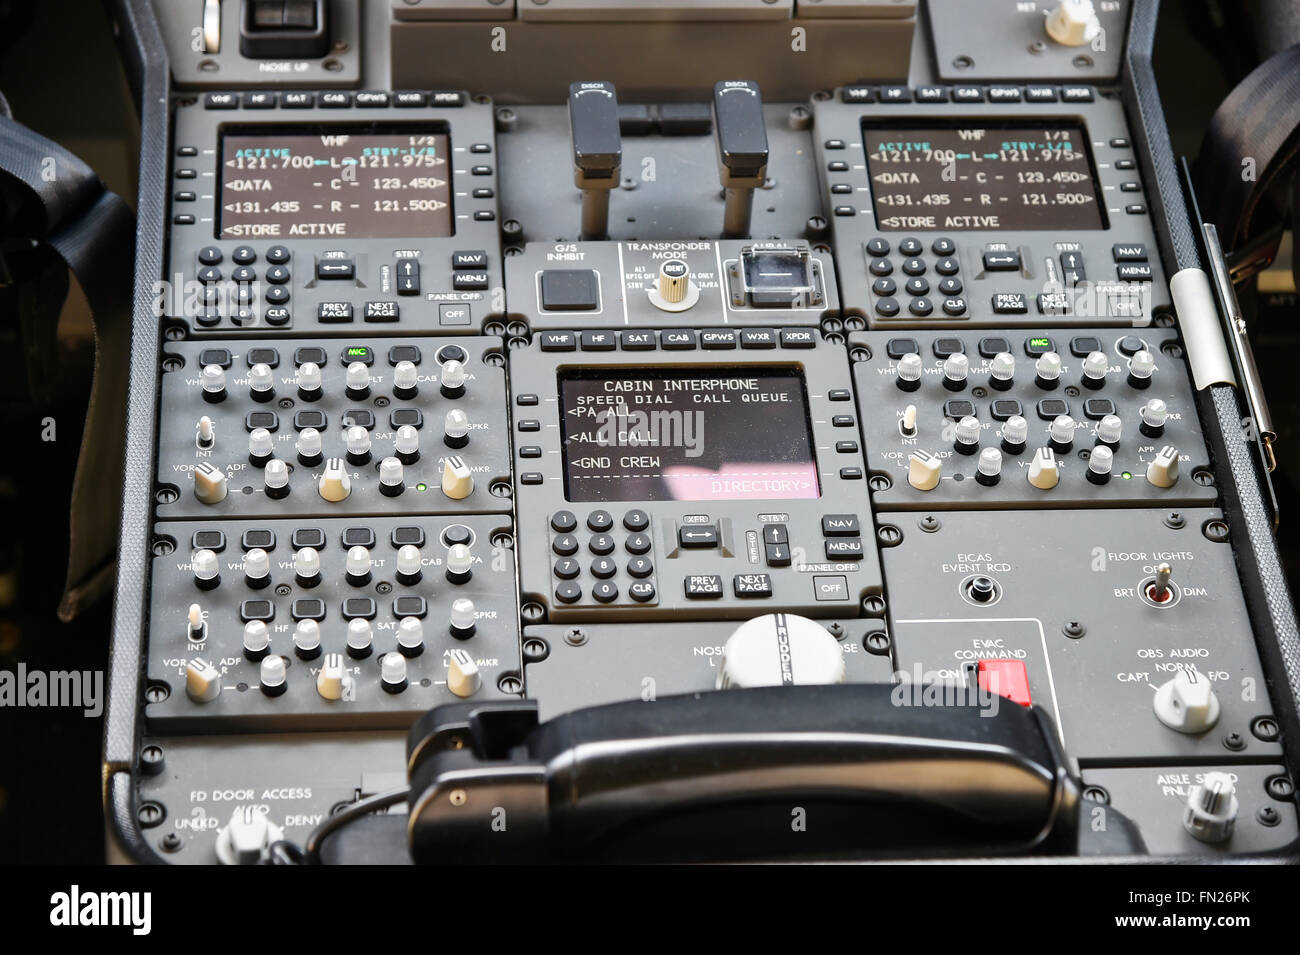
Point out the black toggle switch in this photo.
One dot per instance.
(597, 151)
(741, 134)
(289, 29)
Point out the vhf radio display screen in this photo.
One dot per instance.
(334, 184)
(963, 178)
(687, 435)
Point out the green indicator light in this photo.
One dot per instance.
(422, 487)
(1126, 475)
(357, 351)
(1041, 342)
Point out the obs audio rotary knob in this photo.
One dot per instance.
(462, 620)
(1095, 366)
(261, 382)
(257, 640)
(361, 638)
(988, 471)
(778, 650)
(392, 481)
(356, 380)
(1187, 703)
(275, 478)
(1002, 370)
(409, 564)
(308, 447)
(207, 569)
(1047, 370)
(1100, 462)
(674, 290)
(306, 639)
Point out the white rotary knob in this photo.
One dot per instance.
(780, 649)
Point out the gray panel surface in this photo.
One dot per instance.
(1084, 567)
(1154, 798)
(295, 780)
(997, 39)
(671, 187)
(599, 663)
(628, 273)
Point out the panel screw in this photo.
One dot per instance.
(150, 814)
(859, 353)
(283, 590)
(157, 692)
(1268, 816)
(383, 587)
(1235, 742)
(1203, 476)
(1074, 629)
(575, 636)
(889, 535)
(1175, 520)
(151, 760)
(1265, 728)
(1279, 787)
(877, 643)
(499, 489)
(532, 612)
(1216, 531)
(510, 684)
(171, 843)
(880, 482)
(1097, 794)
(163, 546)
(536, 650)
(458, 797)
(166, 495)
(929, 523)
(873, 606)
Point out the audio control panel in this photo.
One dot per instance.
(328, 623)
(275, 427)
(583, 386)
(1029, 419)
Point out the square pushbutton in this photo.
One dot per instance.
(309, 419)
(993, 345)
(257, 537)
(1004, 408)
(399, 417)
(359, 416)
(1081, 346)
(1050, 409)
(946, 347)
(308, 537)
(570, 290)
(208, 540)
(1097, 408)
(958, 408)
(407, 534)
(410, 605)
(898, 347)
(309, 353)
(359, 537)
